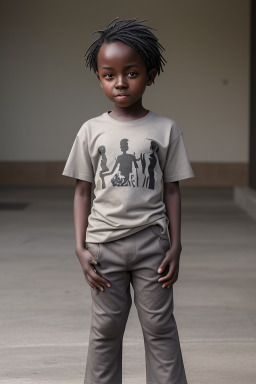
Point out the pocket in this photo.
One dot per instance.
(157, 231)
(94, 248)
(164, 244)
(163, 238)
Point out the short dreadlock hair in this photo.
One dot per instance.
(133, 33)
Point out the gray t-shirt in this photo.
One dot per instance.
(127, 162)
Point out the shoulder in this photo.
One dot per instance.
(167, 124)
(91, 125)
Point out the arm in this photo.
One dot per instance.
(82, 208)
(173, 210)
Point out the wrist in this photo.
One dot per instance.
(176, 245)
(79, 248)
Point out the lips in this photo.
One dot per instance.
(121, 95)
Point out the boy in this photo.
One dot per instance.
(131, 234)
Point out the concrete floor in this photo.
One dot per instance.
(45, 303)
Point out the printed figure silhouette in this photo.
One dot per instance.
(124, 162)
(148, 162)
(103, 164)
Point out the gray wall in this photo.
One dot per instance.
(47, 93)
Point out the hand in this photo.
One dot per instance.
(171, 264)
(88, 264)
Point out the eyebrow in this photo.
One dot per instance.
(126, 67)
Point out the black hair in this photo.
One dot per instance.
(133, 33)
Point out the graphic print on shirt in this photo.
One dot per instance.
(129, 170)
(103, 164)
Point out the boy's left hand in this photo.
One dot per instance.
(171, 264)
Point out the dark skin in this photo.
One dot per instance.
(124, 77)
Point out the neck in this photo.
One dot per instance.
(133, 112)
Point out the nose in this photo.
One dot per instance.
(121, 82)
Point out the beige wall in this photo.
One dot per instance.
(47, 93)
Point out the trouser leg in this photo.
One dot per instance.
(155, 309)
(110, 310)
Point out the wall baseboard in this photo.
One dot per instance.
(49, 174)
(219, 175)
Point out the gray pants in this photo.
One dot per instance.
(133, 260)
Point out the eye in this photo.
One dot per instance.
(132, 74)
(108, 75)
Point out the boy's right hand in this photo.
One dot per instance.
(88, 264)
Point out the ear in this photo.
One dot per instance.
(151, 76)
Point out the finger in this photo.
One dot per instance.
(102, 281)
(94, 284)
(97, 279)
(89, 283)
(170, 273)
(170, 282)
(163, 265)
(98, 286)
(90, 278)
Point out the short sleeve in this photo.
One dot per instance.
(79, 163)
(177, 165)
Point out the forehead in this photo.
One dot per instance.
(118, 53)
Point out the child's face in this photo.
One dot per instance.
(123, 74)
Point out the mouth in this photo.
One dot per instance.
(121, 95)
